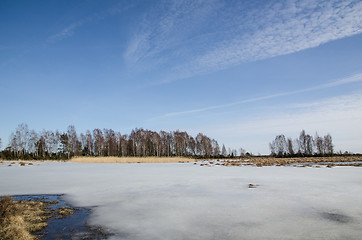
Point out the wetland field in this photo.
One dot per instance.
(202, 200)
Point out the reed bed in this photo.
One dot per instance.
(131, 160)
(23, 219)
(298, 161)
(19, 219)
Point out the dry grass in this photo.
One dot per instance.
(301, 162)
(19, 219)
(253, 161)
(64, 212)
(131, 159)
(18, 162)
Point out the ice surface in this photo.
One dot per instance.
(185, 201)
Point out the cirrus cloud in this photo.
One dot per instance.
(189, 38)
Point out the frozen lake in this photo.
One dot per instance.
(186, 201)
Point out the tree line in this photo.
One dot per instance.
(30, 144)
(303, 146)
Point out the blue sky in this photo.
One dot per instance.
(239, 71)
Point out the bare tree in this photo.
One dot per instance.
(328, 145)
(57, 142)
(83, 142)
(279, 145)
(98, 142)
(156, 139)
(203, 145)
(136, 142)
(191, 146)
(215, 147)
(223, 151)
(166, 139)
(318, 143)
(89, 145)
(19, 140)
(242, 152)
(272, 148)
(302, 143)
(48, 137)
(32, 141)
(290, 147)
(74, 143)
(180, 143)
(49, 144)
(307, 145)
(110, 142)
(123, 144)
(40, 147)
(234, 153)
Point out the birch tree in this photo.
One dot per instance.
(223, 151)
(98, 142)
(328, 145)
(74, 144)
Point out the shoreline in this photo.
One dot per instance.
(257, 161)
(244, 161)
(56, 220)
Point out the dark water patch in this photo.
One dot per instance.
(66, 227)
(336, 217)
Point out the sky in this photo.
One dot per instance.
(240, 72)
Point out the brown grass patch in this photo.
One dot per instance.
(301, 162)
(19, 219)
(64, 211)
(132, 160)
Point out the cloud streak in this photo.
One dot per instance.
(192, 38)
(166, 30)
(347, 80)
(70, 29)
(287, 29)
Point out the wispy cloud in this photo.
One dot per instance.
(70, 29)
(66, 32)
(284, 29)
(191, 38)
(348, 80)
(166, 30)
